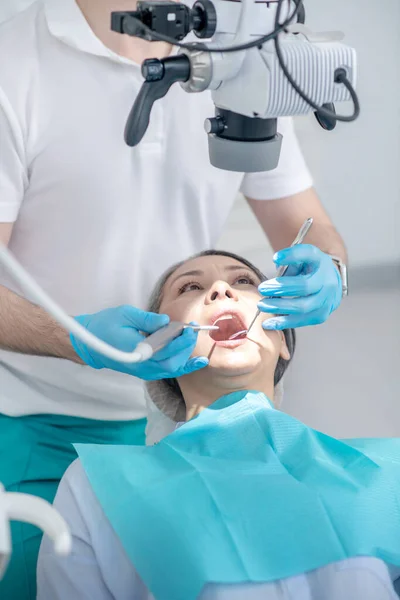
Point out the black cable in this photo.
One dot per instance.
(340, 77)
(279, 28)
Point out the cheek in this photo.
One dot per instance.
(173, 313)
(273, 344)
(269, 342)
(273, 339)
(182, 309)
(204, 344)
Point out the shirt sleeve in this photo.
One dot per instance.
(13, 169)
(291, 175)
(98, 567)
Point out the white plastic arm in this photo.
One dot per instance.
(34, 510)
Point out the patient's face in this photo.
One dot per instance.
(222, 291)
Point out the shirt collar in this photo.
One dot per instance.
(67, 23)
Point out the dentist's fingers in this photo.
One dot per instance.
(291, 306)
(298, 255)
(180, 364)
(295, 321)
(303, 275)
(186, 342)
(142, 320)
(299, 285)
(195, 364)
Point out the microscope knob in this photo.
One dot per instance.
(214, 125)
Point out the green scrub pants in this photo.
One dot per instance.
(35, 451)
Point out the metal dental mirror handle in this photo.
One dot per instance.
(282, 270)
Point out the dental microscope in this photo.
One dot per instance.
(259, 61)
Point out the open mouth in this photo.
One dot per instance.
(231, 327)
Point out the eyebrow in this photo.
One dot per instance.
(198, 273)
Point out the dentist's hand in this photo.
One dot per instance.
(307, 294)
(120, 327)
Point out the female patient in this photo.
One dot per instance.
(240, 501)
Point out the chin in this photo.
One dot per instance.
(235, 363)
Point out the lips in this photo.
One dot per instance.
(229, 323)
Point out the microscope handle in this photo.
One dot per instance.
(159, 76)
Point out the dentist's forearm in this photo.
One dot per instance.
(281, 220)
(28, 329)
(327, 239)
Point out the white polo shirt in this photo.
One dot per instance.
(97, 222)
(9, 8)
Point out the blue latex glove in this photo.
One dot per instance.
(120, 327)
(307, 294)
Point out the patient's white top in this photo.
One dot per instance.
(99, 568)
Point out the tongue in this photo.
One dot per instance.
(227, 328)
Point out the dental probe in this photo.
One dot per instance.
(160, 338)
(282, 270)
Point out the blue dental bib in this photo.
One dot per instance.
(246, 493)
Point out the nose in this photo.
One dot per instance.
(221, 290)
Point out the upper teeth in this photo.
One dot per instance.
(223, 318)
